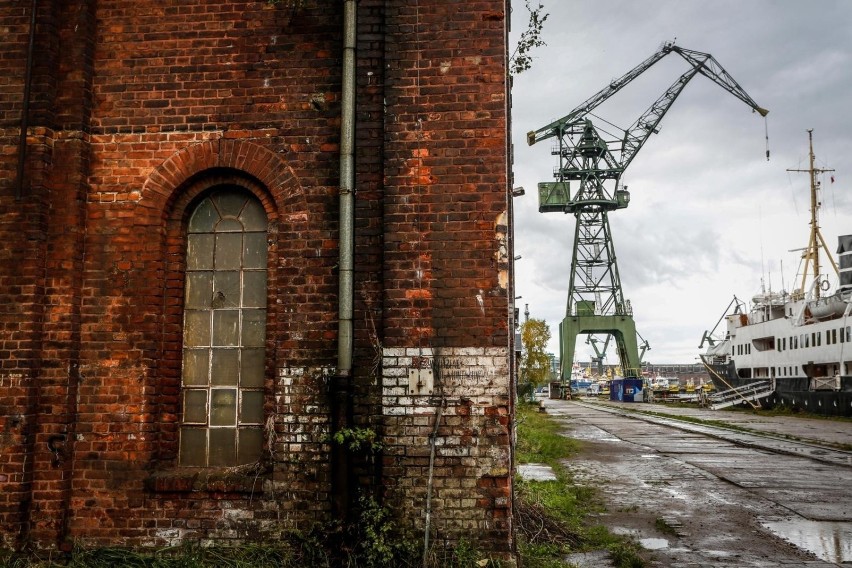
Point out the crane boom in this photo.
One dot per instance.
(556, 127)
(638, 133)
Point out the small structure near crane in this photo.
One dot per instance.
(596, 303)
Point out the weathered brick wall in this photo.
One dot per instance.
(40, 274)
(446, 270)
(20, 291)
(130, 120)
(190, 95)
(139, 108)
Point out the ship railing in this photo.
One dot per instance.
(721, 379)
(746, 393)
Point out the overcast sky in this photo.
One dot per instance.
(709, 216)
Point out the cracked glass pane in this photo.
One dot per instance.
(226, 289)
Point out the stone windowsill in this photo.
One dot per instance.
(219, 480)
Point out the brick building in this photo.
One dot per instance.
(214, 257)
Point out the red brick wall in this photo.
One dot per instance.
(446, 263)
(138, 107)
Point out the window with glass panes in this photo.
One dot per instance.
(224, 331)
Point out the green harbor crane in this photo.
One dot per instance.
(596, 303)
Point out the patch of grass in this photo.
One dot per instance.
(541, 555)
(539, 438)
(665, 528)
(554, 518)
(626, 555)
(792, 412)
(376, 542)
(187, 556)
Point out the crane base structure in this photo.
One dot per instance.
(622, 328)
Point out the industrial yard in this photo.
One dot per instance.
(725, 489)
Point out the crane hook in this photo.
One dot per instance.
(766, 132)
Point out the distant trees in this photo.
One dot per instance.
(535, 361)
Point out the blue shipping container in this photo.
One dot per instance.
(626, 390)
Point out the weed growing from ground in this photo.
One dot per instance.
(553, 517)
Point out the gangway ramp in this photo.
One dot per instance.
(750, 393)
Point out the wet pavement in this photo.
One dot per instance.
(696, 498)
(814, 438)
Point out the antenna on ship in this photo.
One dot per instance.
(811, 252)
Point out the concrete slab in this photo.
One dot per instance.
(536, 472)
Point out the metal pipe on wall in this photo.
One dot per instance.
(341, 386)
(25, 109)
(347, 192)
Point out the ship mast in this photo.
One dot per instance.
(811, 252)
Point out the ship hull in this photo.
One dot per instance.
(791, 392)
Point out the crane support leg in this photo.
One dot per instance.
(621, 327)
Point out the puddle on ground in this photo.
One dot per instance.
(654, 543)
(829, 541)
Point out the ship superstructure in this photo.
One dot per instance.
(791, 349)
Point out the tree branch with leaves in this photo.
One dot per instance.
(521, 58)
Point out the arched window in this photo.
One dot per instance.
(224, 331)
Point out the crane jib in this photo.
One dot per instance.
(702, 63)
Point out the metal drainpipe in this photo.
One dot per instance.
(341, 395)
(25, 109)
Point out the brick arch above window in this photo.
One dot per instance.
(248, 158)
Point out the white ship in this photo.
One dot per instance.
(791, 349)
